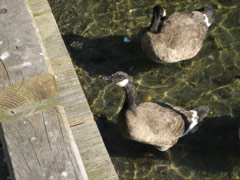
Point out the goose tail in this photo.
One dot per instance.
(202, 112)
(198, 115)
(209, 12)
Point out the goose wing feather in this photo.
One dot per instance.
(155, 124)
(184, 30)
(181, 37)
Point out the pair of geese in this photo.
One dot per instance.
(168, 39)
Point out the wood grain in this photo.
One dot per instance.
(89, 141)
(40, 146)
(71, 95)
(21, 53)
(26, 109)
(94, 154)
(27, 92)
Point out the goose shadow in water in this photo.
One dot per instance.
(211, 148)
(3, 164)
(102, 56)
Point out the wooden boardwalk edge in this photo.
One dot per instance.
(71, 95)
(68, 145)
(87, 136)
(93, 152)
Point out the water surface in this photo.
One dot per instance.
(94, 31)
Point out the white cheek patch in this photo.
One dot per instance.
(123, 83)
(164, 12)
(206, 20)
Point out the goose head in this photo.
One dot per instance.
(120, 78)
(158, 14)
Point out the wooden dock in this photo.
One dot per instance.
(47, 129)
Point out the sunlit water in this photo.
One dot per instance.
(94, 31)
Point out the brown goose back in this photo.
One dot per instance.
(156, 125)
(181, 37)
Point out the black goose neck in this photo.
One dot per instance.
(130, 96)
(156, 22)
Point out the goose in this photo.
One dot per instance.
(154, 123)
(177, 37)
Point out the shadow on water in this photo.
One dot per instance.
(4, 173)
(214, 147)
(104, 56)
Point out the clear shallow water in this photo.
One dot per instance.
(93, 32)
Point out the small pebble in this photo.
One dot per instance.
(33, 138)
(64, 174)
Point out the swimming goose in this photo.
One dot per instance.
(158, 124)
(177, 37)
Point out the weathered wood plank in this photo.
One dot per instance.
(41, 146)
(26, 109)
(21, 53)
(94, 154)
(39, 8)
(71, 95)
(26, 92)
(89, 141)
(51, 36)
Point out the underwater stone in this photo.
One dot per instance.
(224, 93)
